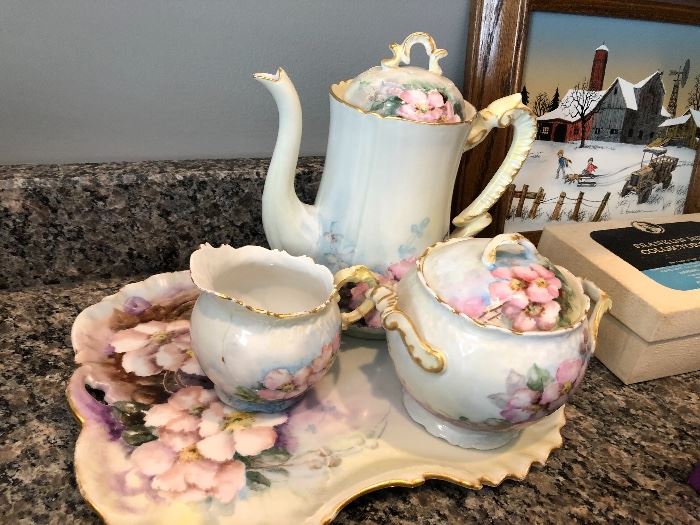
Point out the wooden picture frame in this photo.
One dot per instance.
(497, 41)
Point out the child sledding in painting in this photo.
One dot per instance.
(586, 177)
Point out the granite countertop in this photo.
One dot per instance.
(72, 234)
(627, 451)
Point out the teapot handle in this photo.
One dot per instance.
(501, 113)
(402, 52)
(422, 353)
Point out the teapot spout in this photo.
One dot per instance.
(289, 224)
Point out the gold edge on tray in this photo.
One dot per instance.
(408, 483)
(478, 485)
(78, 482)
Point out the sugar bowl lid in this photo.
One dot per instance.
(503, 282)
(411, 93)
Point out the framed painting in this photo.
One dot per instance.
(615, 86)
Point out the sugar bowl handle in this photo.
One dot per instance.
(488, 257)
(501, 113)
(423, 353)
(603, 303)
(355, 274)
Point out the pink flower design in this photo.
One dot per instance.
(149, 348)
(511, 290)
(527, 295)
(323, 362)
(519, 403)
(533, 397)
(389, 89)
(136, 305)
(534, 316)
(523, 406)
(425, 107)
(394, 273)
(569, 375)
(282, 384)
(225, 430)
(545, 287)
(192, 459)
(398, 270)
(358, 294)
(473, 307)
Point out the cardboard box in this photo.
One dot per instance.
(654, 329)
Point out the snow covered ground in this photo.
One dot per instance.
(615, 162)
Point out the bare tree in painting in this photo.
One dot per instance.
(580, 104)
(694, 95)
(541, 104)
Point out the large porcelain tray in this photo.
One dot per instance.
(349, 436)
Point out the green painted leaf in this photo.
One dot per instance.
(126, 419)
(138, 435)
(246, 460)
(392, 105)
(131, 407)
(256, 481)
(538, 378)
(276, 454)
(278, 470)
(247, 394)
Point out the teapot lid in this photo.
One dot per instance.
(503, 282)
(411, 93)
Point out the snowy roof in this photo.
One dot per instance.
(677, 121)
(602, 47)
(629, 96)
(561, 112)
(627, 89)
(696, 116)
(645, 80)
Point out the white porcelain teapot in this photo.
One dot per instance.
(487, 336)
(395, 141)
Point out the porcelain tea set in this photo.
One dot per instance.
(486, 335)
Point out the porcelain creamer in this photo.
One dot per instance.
(267, 326)
(395, 141)
(487, 336)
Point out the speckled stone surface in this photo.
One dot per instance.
(627, 452)
(60, 223)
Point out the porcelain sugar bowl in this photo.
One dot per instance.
(487, 337)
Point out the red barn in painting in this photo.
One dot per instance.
(624, 112)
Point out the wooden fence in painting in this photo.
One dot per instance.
(538, 197)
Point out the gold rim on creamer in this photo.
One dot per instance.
(352, 274)
(343, 83)
(277, 315)
(424, 281)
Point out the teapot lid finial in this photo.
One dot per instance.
(402, 52)
(396, 89)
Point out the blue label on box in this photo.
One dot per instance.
(667, 253)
